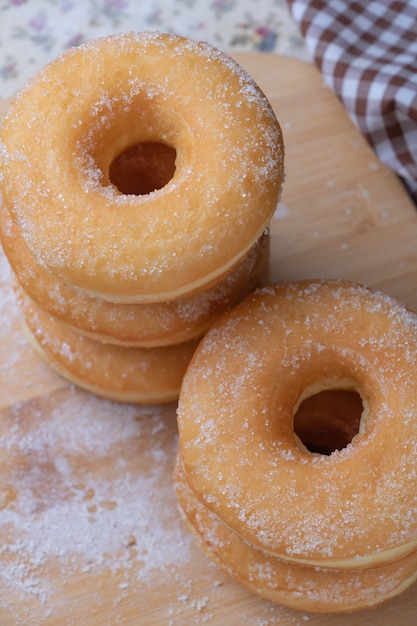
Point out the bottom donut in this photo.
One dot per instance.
(124, 374)
(292, 585)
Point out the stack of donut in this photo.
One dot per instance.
(139, 173)
(305, 502)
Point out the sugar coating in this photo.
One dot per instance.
(67, 125)
(235, 422)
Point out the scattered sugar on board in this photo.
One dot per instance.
(107, 517)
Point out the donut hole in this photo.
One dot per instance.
(328, 421)
(143, 168)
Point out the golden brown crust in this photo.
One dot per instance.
(141, 325)
(297, 586)
(138, 375)
(85, 109)
(352, 509)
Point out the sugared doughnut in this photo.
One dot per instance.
(297, 586)
(142, 325)
(139, 375)
(139, 98)
(352, 509)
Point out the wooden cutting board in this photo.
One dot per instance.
(90, 532)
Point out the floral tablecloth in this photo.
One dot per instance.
(32, 32)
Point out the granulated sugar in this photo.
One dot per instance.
(87, 486)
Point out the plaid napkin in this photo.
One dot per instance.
(366, 51)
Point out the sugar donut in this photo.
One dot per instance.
(138, 375)
(129, 93)
(352, 509)
(296, 586)
(141, 325)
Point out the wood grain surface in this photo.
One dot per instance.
(90, 532)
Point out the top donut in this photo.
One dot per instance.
(93, 107)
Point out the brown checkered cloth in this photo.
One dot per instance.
(366, 51)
